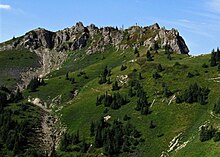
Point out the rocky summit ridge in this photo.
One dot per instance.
(97, 39)
(51, 47)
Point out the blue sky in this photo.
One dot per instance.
(198, 21)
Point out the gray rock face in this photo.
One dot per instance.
(78, 37)
(51, 46)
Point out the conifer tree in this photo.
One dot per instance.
(149, 56)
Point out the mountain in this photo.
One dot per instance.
(96, 39)
(51, 47)
(89, 91)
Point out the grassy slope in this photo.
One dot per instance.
(13, 62)
(170, 120)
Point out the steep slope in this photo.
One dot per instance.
(170, 128)
(137, 89)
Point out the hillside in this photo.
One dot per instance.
(132, 92)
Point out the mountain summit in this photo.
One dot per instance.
(97, 39)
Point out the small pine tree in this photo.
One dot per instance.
(123, 67)
(169, 57)
(140, 76)
(204, 65)
(152, 125)
(109, 81)
(67, 76)
(136, 50)
(115, 86)
(102, 79)
(130, 92)
(92, 129)
(159, 68)
(149, 56)
(213, 61)
(126, 117)
(156, 75)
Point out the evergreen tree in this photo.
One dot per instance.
(156, 75)
(216, 108)
(159, 68)
(102, 79)
(140, 76)
(216, 137)
(126, 117)
(136, 51)
(204, 65)
(152, 125)
(84, 146)
(130, 92)
(123, 67)
(213, 61)
(67, 76)
(3, 101)
(115, 86)
(149, 56)
(166, 92)
(92, 129)
(109, 81)
(169, 57)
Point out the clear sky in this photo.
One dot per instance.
(198, 21)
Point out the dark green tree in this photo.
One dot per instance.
(159, 68)
(140, 77)
(216, 108)
(123, 67)
(67, 76)
(92, 129)
(115, 86)
(213, 61)
(156, 75)
(149, 56)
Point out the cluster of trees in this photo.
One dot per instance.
(15, 136)
(114, 101)
(103, 76)
(215, 57)
(142, 102)
(136, 89)
(116, 138)
(208, 132)
(194, 93)
(35, 83)
(72, 143)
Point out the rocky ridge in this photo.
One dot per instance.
(51, 46)
(96, 39)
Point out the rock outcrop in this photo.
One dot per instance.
(96, 39)
(51, 46)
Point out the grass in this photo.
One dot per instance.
(13, 62)
(170, 120)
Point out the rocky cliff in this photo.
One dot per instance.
(96, 39)
(51, 46)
